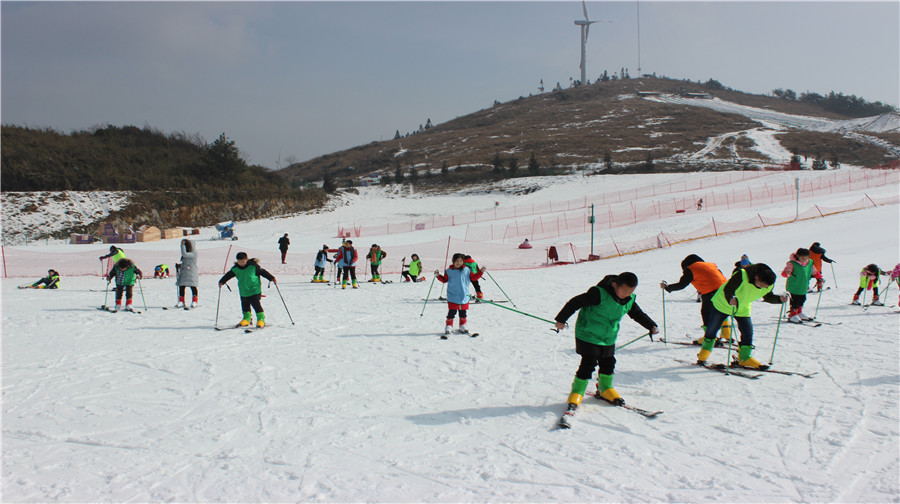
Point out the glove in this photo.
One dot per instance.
(819, 284)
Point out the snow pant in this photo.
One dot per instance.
(320, 272)
(252, 301)
(283, 255)
(716, 318)
(706, 306)
(181, 290)
(128, 292)
(601, 357)
(374, 268)
(349, 273)
(476, 285)
(408, 277)
(452, 310)
(797, 301)
(861, 289)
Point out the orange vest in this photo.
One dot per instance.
(816, 259)
(707, 277)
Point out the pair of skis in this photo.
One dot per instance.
(446, 334)
(247, 329)
(110, 310)
(565, 421)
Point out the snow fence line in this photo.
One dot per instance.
(20, 262)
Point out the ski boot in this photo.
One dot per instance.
(706, 349)
(855, 300)
(180, 303)
(794, 316)
(194, 302)
(876, 301)
(606, 391)
(745, 360)
(463, 328)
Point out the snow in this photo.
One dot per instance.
(360, 401)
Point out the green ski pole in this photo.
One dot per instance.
(777, 327)
(427, 296)
(501, 288)
(519, 312)
(632, 341)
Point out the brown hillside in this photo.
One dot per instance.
(577, 126)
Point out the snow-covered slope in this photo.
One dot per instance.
(359, 400)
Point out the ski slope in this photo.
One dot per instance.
(360, 401)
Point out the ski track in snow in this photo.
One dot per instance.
(361, 400)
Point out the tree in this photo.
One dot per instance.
(533, 166)
(397, 135)
(328, 184)
(223, 158)
(513, 166)
(428, 124)
(497, 163)
(413, 175)
(444, 170)
(648, 164)
(607, 159)
(398, 174)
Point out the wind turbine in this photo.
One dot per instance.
(585, 25)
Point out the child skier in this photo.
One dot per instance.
(817, 254)
(125, 273)
(474, 267)
(798, 271)
(161, 271)
(346, 260)
(415, 268)
(375, 256)
(115, 253)
(706, 278)
(868, 280)
(248, 272)
(600, 310)
(895, 277)
(187, 275)
(458, 277)
(321, 260)
(734, 297)
(51, 281)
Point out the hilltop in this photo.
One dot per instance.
(618, 125)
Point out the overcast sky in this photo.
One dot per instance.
(302, 79)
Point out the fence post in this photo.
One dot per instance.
(716, 231)
(761, 219)
(3, 251)
(870, 199)
(227, 255)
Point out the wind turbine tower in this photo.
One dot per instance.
(585, 25)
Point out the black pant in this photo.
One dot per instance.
(127, 289)
(602, 357)
(706, 306)
(408, 277)
(745, 325)
(797, 300)
(319, 271)
(251, 301)
(476, 285)
(349, 272)
(181, 290)
(374, 270)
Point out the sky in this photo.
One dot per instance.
(290, 81)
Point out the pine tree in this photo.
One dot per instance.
(533, 166)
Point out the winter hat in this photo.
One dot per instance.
(745, 261)
(324, 247)
(240, 255)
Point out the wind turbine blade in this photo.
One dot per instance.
(584, 7)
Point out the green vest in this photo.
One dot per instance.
(599, 324)
(798, 282)
(415, 268)
(248, 281)
(746, 294)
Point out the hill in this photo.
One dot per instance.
(613, 124)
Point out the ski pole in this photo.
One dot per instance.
(728, 362)
(106, 297)
(141, 287)
(427, 296)
(833, 277)
(665, 336)
(777, 327)
(519, 312)
(816, 313)
(501, 288)
(632, 341)
(285, 304)
(218, 298)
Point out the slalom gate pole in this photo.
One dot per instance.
(285, 304)
(833, 277)
(632, 341)
(501, 288)
(218, 298)
(519, 312)
(777, 327)
(728, 362)
(101, 268)
(427, 296)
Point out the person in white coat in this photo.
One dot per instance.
(188, 275)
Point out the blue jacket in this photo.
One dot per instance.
(458, 281)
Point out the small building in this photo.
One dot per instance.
(80, 239)
(148, 233)
(168, 234)
(109, 234)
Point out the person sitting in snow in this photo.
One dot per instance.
(51, 281)
(415, 269)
